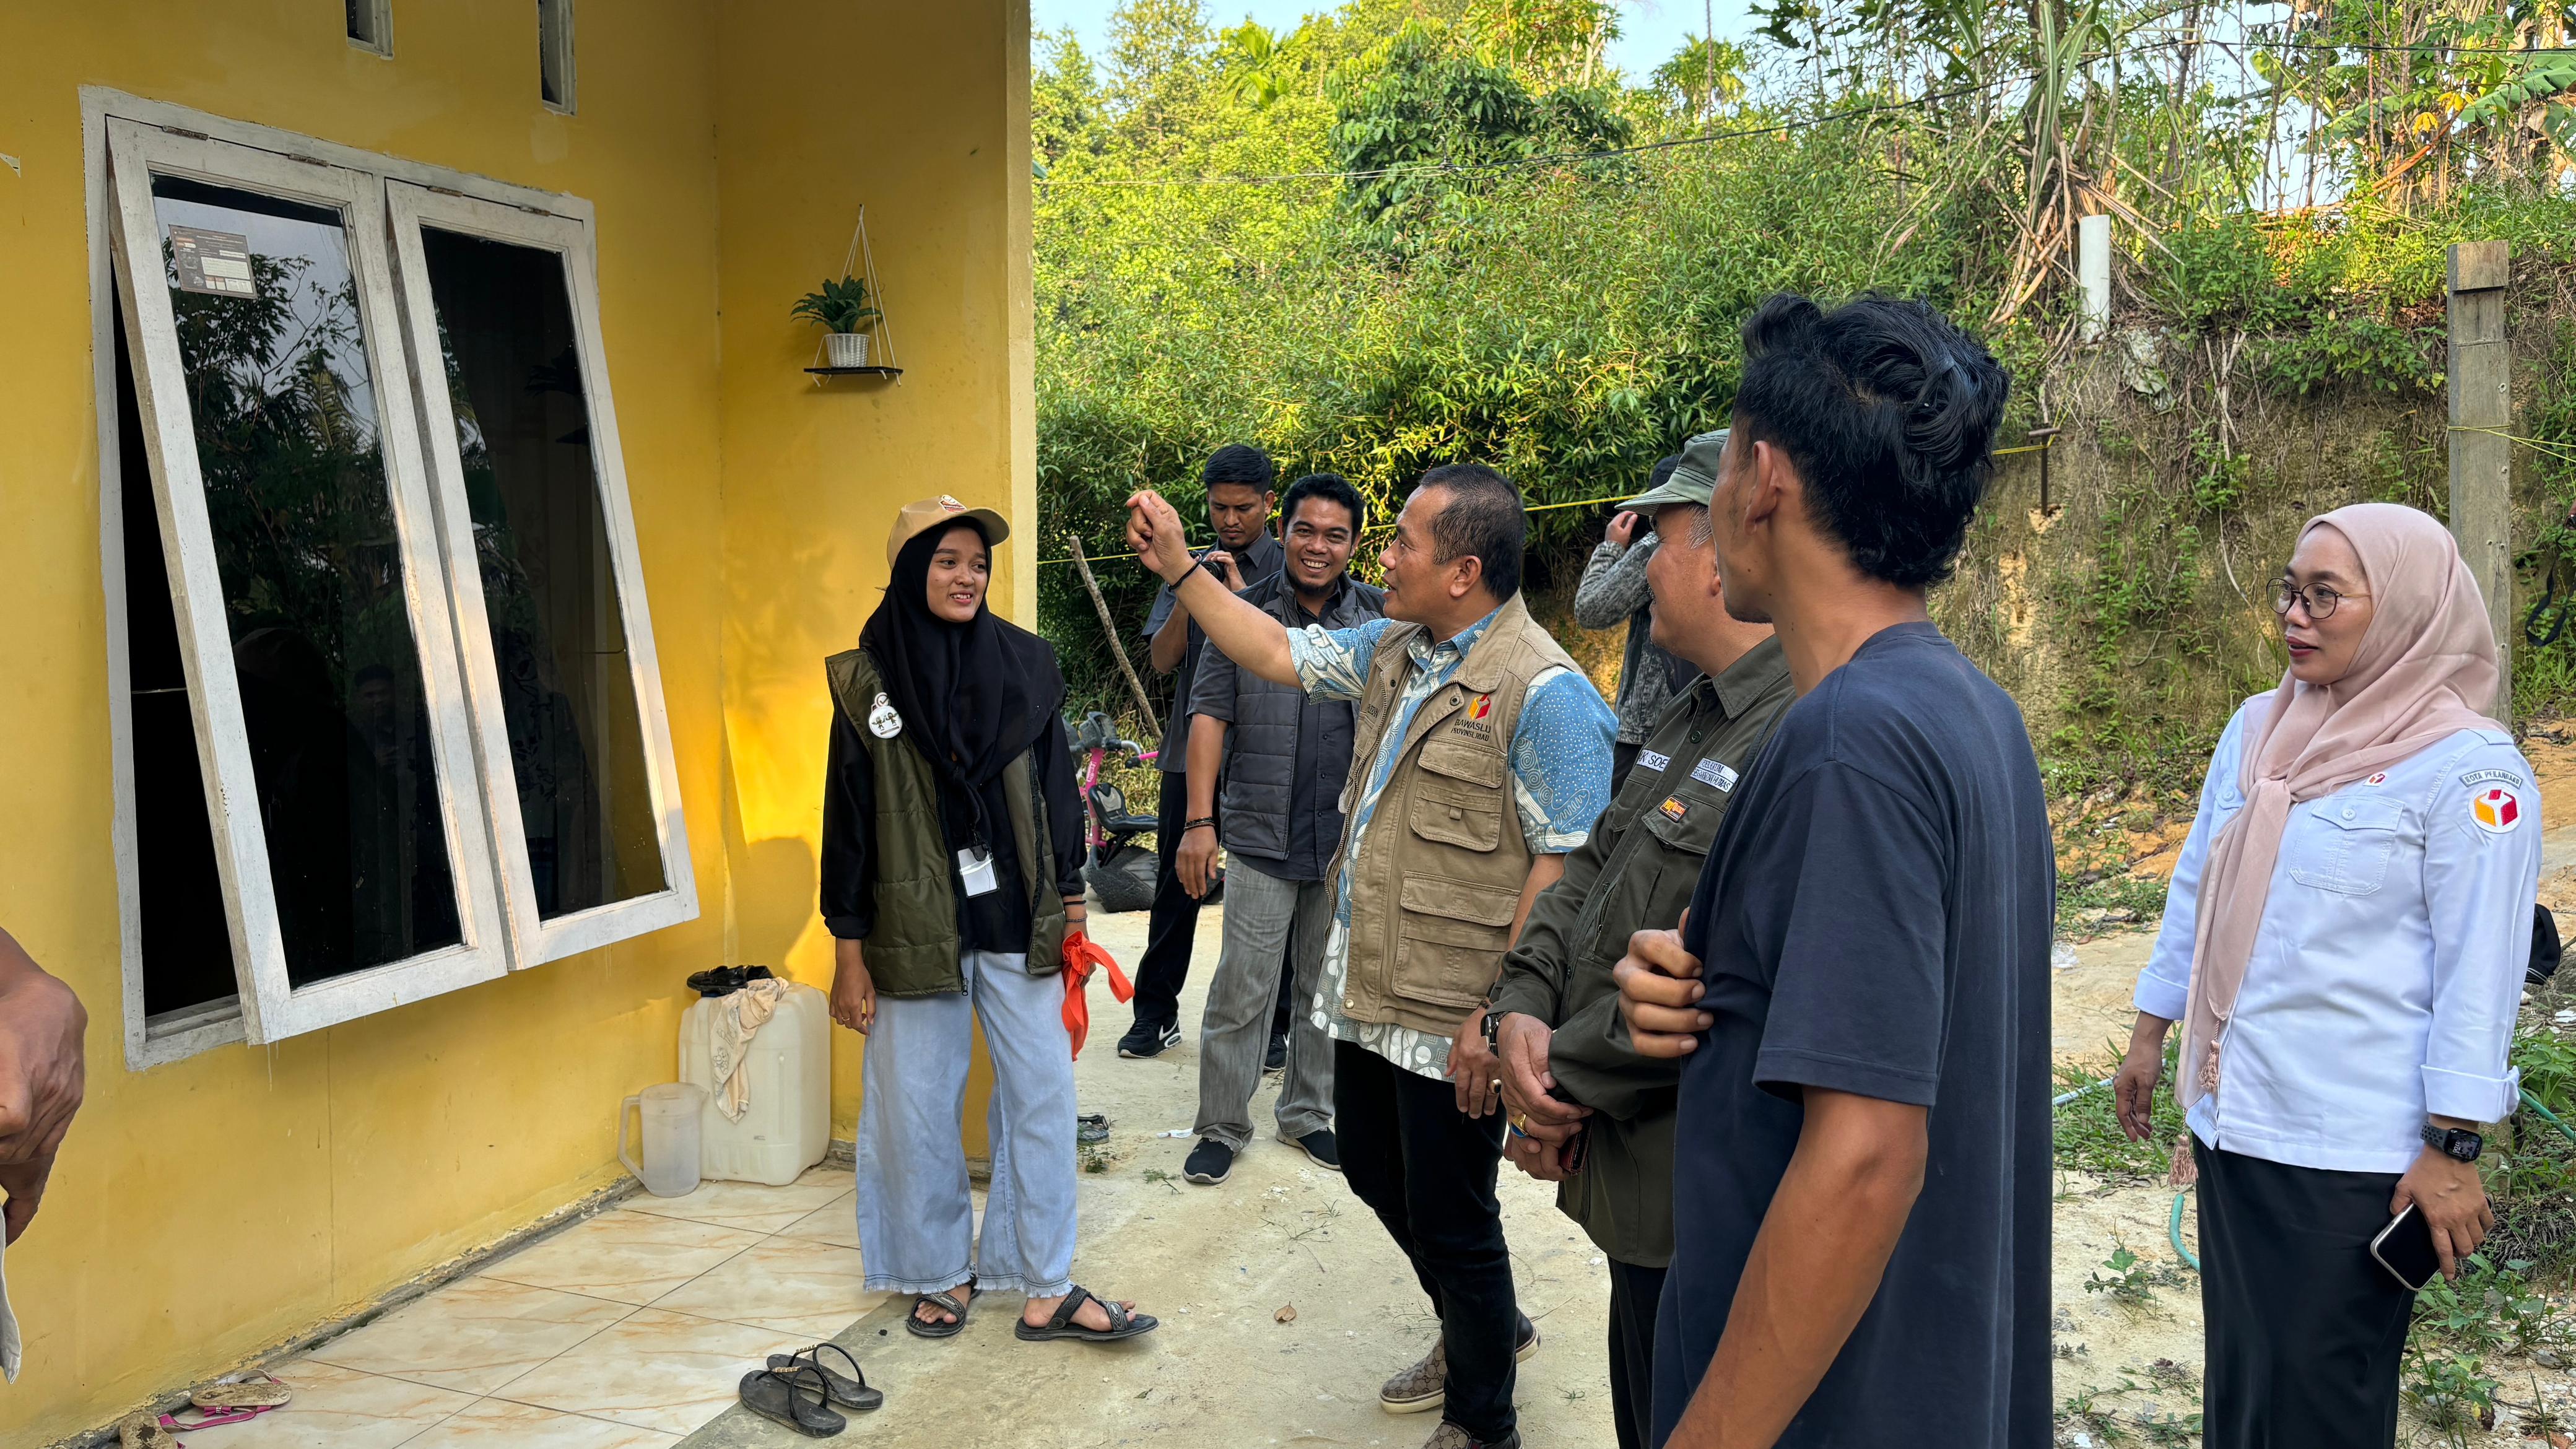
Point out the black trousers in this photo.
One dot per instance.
(1288, 1003)
(1173, 922)
(1634, 1293)
(1427, 1170)
(2305, 1329)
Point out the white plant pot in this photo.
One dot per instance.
(846, 349)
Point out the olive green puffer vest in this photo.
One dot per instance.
(912, 951)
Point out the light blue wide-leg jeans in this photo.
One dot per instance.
(916, 1220)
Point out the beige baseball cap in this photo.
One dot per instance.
(930, 513)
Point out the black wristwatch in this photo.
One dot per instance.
(2457, 1143)
(1493, 1019)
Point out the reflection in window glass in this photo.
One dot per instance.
(187, 947)
(541, 540)
(285, 413)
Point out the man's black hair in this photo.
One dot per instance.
(1332, 488)
(1240, 463)
(1662, 472)
(1482, 517)
(1889, 413)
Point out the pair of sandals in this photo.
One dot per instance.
(1122, 1324)
(799, 1391)
(208, 1407)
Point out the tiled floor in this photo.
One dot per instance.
(623, 1332)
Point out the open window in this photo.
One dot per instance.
(501, 307)
(390, 718)
(304, 571)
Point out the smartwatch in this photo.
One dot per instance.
(2457, 1143)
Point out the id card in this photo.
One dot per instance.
(975, 867)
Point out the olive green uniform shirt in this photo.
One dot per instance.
(1636, 872)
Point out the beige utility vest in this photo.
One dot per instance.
(1440, 870)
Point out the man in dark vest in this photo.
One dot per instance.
(1480, 757)
(1284, 756)
(1587, 1112)
(1239, 498)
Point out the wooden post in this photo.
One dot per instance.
(2481, 456)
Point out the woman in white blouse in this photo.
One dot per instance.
(2344, 944)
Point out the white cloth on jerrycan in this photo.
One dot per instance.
(729, 1041)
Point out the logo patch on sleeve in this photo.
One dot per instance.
(1673, 809)
(1649, 760)
(1714, 775)
(2496, 811)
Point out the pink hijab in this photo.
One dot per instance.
(2426, 665)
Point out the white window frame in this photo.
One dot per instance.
(555, 65)
(537, 940)
(172, 1036)
(377, 19)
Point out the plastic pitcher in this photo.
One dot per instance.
(670, 1114)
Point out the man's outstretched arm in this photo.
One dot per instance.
(1815, 1267)
(1252, 639)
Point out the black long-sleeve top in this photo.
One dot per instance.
(997, 920)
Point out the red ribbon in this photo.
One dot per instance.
(1082, 956)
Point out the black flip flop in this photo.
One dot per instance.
(1122, 1324)
(793, 1397)
(848, 1391)
(946, 1301)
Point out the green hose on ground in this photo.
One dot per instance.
(2173, 1229)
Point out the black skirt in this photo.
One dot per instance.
(2305, 1329)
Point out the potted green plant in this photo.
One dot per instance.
(842, 310)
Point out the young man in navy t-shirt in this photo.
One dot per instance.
(1861, 1248)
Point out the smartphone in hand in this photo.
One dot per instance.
(2405, 1249)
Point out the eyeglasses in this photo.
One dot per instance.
(2321, 601)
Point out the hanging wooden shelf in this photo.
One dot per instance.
(863, 257)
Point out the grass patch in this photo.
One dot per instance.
(2088, 1132)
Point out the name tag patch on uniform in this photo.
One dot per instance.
(2496, 811)
(1649, 760)
(883, 722)
(2491, 777)
(1714, 775)
(1673, 809)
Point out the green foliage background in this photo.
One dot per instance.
(1495, 288)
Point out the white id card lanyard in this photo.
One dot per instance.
(975, 867)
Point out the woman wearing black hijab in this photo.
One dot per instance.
(951, 865)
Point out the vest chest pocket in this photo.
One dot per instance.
(1451, 937)
(1694, 829)
(2346, 844)
(1460, 800)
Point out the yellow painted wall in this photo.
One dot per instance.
(812, 475)
(210, 1208)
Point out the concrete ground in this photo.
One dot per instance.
(1284, 1305)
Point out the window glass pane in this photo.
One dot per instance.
(514, 380)
(187, 948)
(285, 412)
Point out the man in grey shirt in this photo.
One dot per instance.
(1613, 592)
(1283, 757)
(1237, 478)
